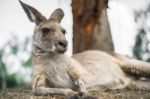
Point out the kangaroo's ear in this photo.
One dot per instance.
(57, 15)
(33, 15)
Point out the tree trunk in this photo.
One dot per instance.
(91, 29)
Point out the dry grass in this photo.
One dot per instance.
(118, 94)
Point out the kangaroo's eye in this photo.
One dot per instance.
(64, 31)
(45, 31)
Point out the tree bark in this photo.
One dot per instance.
(91, 28)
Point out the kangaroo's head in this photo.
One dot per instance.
(49, 35)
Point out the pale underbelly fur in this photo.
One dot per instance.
(58, 76)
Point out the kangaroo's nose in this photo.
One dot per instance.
(63, 44)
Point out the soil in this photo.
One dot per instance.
(117, 94)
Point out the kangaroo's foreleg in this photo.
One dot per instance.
(53, 91)
(77, 76)
(40, 87)
(80, 83)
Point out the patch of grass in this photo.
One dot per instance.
(116, 94)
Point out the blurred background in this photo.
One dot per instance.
(122, 26)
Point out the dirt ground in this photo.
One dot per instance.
(118, 94)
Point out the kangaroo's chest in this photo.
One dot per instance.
(57, 75)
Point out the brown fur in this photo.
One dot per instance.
(56, 73)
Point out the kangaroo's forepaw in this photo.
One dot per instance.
(82, 89)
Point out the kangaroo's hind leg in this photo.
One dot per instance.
(138, 84)
(132, 66)
(116, 84)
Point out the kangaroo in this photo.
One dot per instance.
(55, 73)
